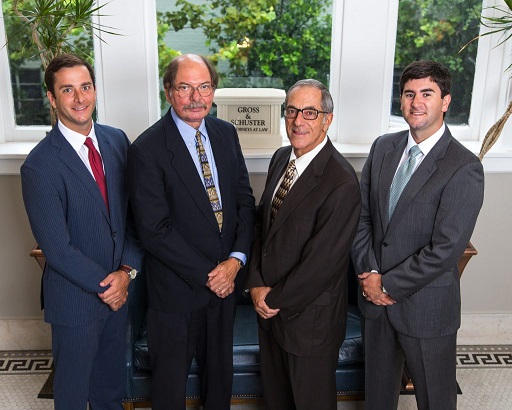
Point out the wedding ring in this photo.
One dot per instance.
(364, 294)
(219, 289)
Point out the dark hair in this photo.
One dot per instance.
(327, 104)
(169, 79)
(426, 68)
(65, 61)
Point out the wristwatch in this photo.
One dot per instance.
(131, 272)
(240, 263)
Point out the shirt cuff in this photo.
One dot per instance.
(239, 255)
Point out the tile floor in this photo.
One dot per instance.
(484, 374)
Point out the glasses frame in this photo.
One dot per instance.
(302, 112)
(193, 89)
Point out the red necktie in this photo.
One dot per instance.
(97, 168)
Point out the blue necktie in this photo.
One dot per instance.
(402, 176)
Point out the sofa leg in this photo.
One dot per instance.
(128, 406)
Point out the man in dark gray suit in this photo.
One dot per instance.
(410, 236)
(298, 271)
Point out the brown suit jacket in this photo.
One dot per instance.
(304, 255)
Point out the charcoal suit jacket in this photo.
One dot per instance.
(304, 254)
(418, 249)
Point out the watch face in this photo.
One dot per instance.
(133, 274)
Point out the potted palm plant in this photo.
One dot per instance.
(498, 22)
(47, 28)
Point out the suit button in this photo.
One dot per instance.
(265, 254)
(385, 244)
(114, 234)
(222, 235)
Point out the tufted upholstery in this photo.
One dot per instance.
(246, 381)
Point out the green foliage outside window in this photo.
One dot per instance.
(281, 41)
(436, 30)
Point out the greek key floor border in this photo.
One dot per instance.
(25, 362)
(468, 357)
(484, 356)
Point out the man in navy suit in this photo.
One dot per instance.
(407, 246)
(194, 213)
(90, 256)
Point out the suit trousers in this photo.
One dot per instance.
(174, 339)
(431, 363)
(293, 382)
(89, 364)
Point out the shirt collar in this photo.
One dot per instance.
(187, 132)
(303, 161)
(427, 144)
(75, 138)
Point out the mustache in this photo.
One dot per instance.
(194, 105)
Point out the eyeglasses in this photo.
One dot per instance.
(307, 113)
(186, 90)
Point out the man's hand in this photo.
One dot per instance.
(258, 296)
(221, 280)
(117, 293)
(371, 286)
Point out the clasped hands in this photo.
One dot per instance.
(221, 280)
(371, 287)
(117, 293)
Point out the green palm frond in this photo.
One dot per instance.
(53, 24)
(500, 24)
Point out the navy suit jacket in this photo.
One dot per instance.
(174, 217)
(81, 240)
(417, 251)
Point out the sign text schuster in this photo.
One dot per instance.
(250, 119)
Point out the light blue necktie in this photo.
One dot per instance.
(402, 176)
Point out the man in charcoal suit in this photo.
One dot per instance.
(422, 192)
(298, 271)
(75, 194)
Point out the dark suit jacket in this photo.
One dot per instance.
(174, 216)
(432, 223)
(304, 254)
(81, 240)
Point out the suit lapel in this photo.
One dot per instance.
(301, 188)
(274, 177)
(71, 159)
(110, 165)
(386, 175)
(424, 172)
(220, 148)
(186, 169)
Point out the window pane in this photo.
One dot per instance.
(27, 75)
(265, 43)
(437, 30)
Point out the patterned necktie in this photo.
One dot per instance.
(283, 190)
(97, 168)
(401, 178)
(208, 180)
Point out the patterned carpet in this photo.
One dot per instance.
(484, 374)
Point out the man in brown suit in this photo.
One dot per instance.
(298, 272)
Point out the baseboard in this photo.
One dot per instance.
(476, 329)
(485, 329)
(25, 334)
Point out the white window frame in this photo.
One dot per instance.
(361, 80)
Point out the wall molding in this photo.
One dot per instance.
(476, 329)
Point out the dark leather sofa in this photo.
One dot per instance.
(247, 380)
